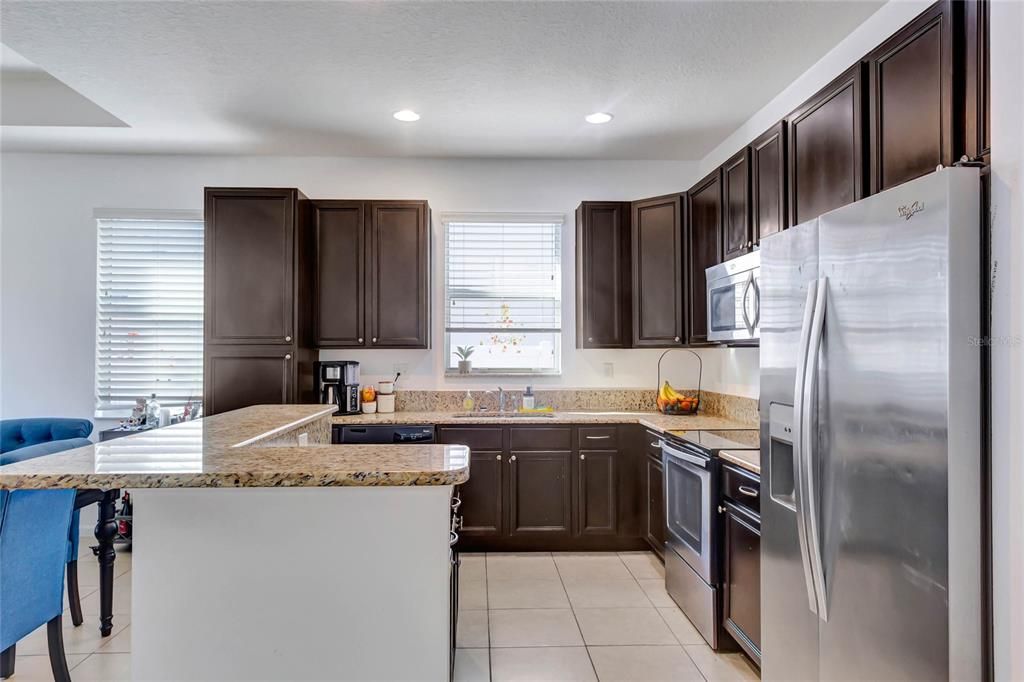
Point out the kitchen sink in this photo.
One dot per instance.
(502, 415)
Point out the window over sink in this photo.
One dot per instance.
(149, 309)
(503, 293)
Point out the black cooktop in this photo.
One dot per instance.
(721, 439)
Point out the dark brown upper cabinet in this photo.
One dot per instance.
(399, 270)
(372, 274)
(339, 228)
(911, 99)
(252, 248)
(704, 236)
(768, 182)
(826, 148)
(603, 275)
(657, 247)
(977, 94)
(737, 235)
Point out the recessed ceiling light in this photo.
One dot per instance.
(598, 118)
(407, 115)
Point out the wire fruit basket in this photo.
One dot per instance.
(670, 401)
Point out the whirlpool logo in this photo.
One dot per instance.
(909, 211)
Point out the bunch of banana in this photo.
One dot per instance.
(669, 400)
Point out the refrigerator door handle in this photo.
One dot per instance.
(798, 459)
(807, 435)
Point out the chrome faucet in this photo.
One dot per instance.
(501, 399)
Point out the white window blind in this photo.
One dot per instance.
(503, 292)
(149, 326)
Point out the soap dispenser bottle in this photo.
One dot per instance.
(528, 401)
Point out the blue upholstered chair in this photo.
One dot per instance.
(34, 526)
(22, 439)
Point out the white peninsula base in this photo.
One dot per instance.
(333, 583)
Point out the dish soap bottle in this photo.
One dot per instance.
(152, 411)
(528, 401)
(467, 402)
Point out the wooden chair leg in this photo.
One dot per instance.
(55, 643)
(74, 598)
(7, 662)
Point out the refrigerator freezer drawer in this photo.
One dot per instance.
(695, 597)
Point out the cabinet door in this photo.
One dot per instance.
(736, 234)
(658, 272)
(704, 249)
(340, 233)
(741, 604)
(540, 493)
(239, 376)
(250, 266)
(768, 182)
(481, 495)
(654, 485)
(911, 99)
(596, 495)
(602, 275)
(399, 271)
(826, 149)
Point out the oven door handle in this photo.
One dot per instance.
(685, 456)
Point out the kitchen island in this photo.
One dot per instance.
(261, 551)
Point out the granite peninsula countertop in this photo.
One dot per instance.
(651, 420)
(252, 447)
(745, 459)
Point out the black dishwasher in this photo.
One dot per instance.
(382, 434)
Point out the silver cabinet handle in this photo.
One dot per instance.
(454, 539)
(598, 437)
(748, 491)
(287, 338)
(360, 339)
(512, 458)
(288, 356)
(656, 444)
(498, 458)
(583, 456)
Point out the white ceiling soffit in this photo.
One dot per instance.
(31, 97)
(490, 79)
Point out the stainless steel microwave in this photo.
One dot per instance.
(734, 310)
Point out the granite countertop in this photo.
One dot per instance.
(250, 447)
(745, 459)
(651, 420)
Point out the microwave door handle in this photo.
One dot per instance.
(798, 467)
(807, 434)
(757, 301)
(743, 305)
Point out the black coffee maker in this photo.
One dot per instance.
(337, 383)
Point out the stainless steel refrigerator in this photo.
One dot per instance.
(871, 436)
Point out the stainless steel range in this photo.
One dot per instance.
(691, 485)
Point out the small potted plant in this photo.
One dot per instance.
(465, 364)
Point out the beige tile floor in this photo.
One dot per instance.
(595, 616)
(528, 617)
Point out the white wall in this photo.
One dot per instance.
(49, 253)
(1007, 399)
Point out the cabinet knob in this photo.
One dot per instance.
(590, 339)
(373, 340)
(360, 339)
(677, 339)
(583, 456)
(512, 458)
(287, 338)
(721, 509)
(288, 356)
(498, 457)
(749, 244)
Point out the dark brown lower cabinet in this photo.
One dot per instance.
(540, 493)
(741, 585)
(239, 376)
(597, 492)
(654, 488)
(483, 495)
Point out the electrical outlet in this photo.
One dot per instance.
(304, 438)
(609, 369)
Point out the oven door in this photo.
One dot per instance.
(688, 508)
(733, 307)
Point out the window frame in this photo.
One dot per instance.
(124, 214)
(548, 218)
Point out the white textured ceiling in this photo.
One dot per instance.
(491, 79)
